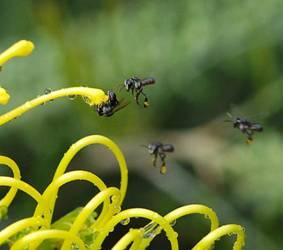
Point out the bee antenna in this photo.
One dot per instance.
(121, 88)
(229, 115)
(122, 104)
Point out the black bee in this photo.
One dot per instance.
(159, 150)
(136, 85)
(246, 127)
(111, 106)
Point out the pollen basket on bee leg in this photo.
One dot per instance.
(249, 141)
(145, 104)
(163, 169)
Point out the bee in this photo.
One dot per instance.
(111, 106)
(245, 126)
(159, 149)
(136, 85)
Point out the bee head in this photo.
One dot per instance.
(132, 83)
(237, 122)
(152, 148)
(112, 101)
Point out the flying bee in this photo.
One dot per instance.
(136, 85)
(246, 127)
(111, 106)
(159, 149)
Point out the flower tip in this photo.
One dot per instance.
(4, 96)
(23, 48)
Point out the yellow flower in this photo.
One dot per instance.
(83, 228)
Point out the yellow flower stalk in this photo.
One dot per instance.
(83, 228)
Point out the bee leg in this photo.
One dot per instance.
(145, 102)
(137, 96)
(154, 159)
(163, 168)
(249, 134)
(121, 88)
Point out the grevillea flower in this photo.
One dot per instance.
(83, 228)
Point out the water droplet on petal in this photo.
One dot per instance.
(148, 235)
(150, 230)
(72, 97)
(47, 91)
(125, 221)
(173, 223)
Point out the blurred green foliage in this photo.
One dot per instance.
(205, 55)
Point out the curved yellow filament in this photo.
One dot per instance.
(183, 211)
(209, 239)
(18, 226)
(21, 48)
(28, 189)
(8, 198)
(194, 209)
(90, 207)
(94, 97)
(137, 212)
(127, 239)
(96, 139)
(50, 194)
(4, 96)
(47, 234)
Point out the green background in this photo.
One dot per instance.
(208, 57)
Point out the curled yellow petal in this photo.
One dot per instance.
(134, 213)
(48, 234)
(9, 197)
(209, 240)
(18, 226)
(21, 48)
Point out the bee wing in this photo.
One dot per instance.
(256, 127)
(120, 106)
(121, 87)
(230, 117)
